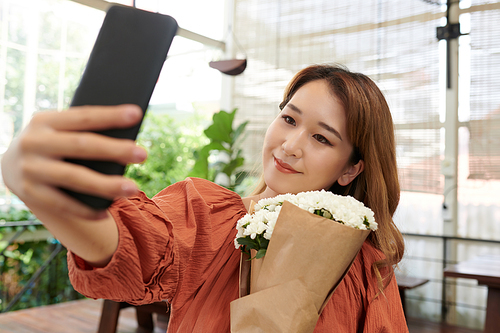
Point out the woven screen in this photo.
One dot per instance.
(394, 42)
(484, 144)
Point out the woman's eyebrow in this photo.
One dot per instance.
(331, 129)
(294, 108)
(322, 124)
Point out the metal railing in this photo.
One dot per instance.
(445, 261)
(53, 271)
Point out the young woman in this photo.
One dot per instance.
(334, 132)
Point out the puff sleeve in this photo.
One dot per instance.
(178, 238)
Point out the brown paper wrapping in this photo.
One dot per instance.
(306, 259)
(285, 308)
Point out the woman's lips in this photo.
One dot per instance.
(283, 167)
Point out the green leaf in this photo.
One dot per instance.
(260, 253)
(201, 166)
(200, 169)
(232, 114)
(247, 241)
(221, 128)
(263, 243)
(239, 177)
(232, 165)
(239, 131)
(214, 146)
(222, 138)
(26, 258)
(10, 254)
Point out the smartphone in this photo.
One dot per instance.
(123, 68)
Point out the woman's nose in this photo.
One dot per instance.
(292, 146)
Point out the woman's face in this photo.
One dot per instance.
(306, 147)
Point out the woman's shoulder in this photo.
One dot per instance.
(362, 271)
(370, 254)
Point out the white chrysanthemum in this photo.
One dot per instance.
(343, 209)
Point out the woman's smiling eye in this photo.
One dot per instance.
(288, 120)
(320, 138)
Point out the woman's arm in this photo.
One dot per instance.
(34, 169)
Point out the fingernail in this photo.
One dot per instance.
(129, 188)
(139, 155)
(133, 113)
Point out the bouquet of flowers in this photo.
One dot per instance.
(298, 257)
(255, 230)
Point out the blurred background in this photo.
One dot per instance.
(442, 91)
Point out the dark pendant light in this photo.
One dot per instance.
(229, 67)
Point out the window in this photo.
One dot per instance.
(44, 46)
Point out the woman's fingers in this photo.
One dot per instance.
(21, 174)
(90, 118)
(34, 165)
(90, 146)
(60, 174)
(41, 196)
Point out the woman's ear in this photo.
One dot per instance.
(352, 172)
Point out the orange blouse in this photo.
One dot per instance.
(179, 247)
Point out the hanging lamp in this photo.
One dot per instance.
(229, 67)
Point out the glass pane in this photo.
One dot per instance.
(19, 21)
(50, 30)
(73, 70)
(47, 82)
(14, 86)
(45, 45)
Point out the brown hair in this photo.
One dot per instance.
(371, 131)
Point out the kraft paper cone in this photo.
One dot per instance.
(306, 259)
(285, 308)
(308, 247)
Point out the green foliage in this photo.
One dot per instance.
(222, 154)
(259, 243)
(13, 215)
(170, 145)
(20, 260)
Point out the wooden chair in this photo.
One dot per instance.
(145, 324)
(405, 283)
(111, 310)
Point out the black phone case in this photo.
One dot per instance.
(123, 68)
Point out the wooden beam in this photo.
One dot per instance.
(97, 4)
(103, 5)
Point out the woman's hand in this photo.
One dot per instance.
(33, 167)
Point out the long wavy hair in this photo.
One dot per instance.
(371, 131)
